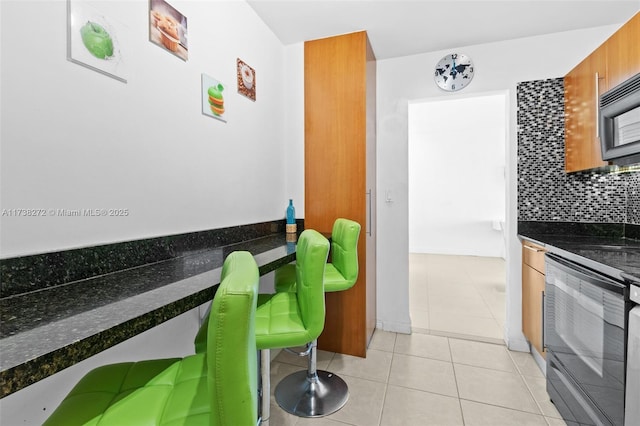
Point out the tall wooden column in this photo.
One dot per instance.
(340, 173)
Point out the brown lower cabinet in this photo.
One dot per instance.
(533, 294)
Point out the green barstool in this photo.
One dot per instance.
(296, 318)
(217, 387)
(290, 319)
(339, 275)
(342, 272)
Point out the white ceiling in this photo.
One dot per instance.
(401, 28)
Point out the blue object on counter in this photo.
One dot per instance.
(291, 213)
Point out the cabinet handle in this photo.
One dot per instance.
(537, 250)
(544, 346)
(369, 213)
(597, 87)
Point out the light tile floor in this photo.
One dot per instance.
(423, 379)
(457, 296)
(453, 370)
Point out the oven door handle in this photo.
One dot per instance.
(544, 346)
(592, 277)
(630, 278)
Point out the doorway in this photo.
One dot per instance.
(457, 194)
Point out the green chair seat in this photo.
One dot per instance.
(285, 279)
(156, 392)
(279, 323)
(216, 388)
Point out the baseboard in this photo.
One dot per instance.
(516, 344)
(542, 363)
(394, 326)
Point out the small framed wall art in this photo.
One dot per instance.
(246, 80)
(213, 98)
(95, 40)
(168, 28)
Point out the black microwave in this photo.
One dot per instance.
(619, 123)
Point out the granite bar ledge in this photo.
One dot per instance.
(47, 330)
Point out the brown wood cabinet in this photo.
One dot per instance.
(614, 61)
(623, 53)
(533, 294)
(582, 87)
(340, 173)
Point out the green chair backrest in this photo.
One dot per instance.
(231, 344)
(344, 248)
(312, 251)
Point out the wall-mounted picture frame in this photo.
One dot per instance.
(213, 104)
(246, 77)
(168, 28)
(95, 40)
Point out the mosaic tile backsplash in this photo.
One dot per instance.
(545, 191)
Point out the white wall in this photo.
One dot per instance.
(294, 128)
(456, 174)
(498, 66)
(73, 138)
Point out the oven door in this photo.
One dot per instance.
(584, 331)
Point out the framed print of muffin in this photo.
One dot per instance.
(96, 41)
(168, 28)
(246, 80)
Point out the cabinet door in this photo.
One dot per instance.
(370, 229)
(336, 175)
(532, 298)
(623, 53)
(583, 85)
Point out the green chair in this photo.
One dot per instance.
(292, 319)
(295, 319)
(339, 275)
(217, 388)
(342, 272)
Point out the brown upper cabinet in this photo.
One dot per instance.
(623, 53)
(340, 117)
(617, 59)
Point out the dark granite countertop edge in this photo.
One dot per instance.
(22, 375)
(580, 242)
(33, 368)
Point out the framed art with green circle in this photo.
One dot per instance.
(96, 39)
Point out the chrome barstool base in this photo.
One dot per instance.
(316, 395)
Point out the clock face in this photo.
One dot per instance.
(454, 72)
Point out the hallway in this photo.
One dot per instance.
(457, 296)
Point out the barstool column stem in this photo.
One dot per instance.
(313, 360)
(265, 385)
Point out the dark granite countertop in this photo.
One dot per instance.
(47, 330)
(608, 249)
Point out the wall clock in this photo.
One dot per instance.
(454, 72)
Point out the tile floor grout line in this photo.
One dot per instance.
(455, 380)
(384, 402)
(502, 407)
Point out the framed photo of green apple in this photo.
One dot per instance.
(168, 28)
(95, 40)
(246, 80)
(213, 104)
